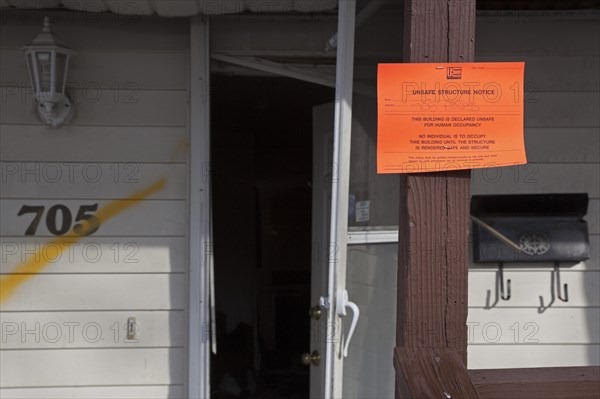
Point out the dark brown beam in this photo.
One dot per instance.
(432, 275)
(431, 373)
(538, 5)
(433, 226)
(434, 207)
(538, 383)
(430, 357)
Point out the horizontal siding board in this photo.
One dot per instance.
(104, 107)
(89, 180)
(97, 31)
(121, 392)
(536, 178)
(554, 72)
(93, 144)
(77, 330)
(145, 218)
(562, 109)
(528, 286)
(594, 262)
(142, 71)
(527, 326)
(537, 355)
(70, 292)
(81, 367)
(563, 145)
(521, 34)
(99, 255)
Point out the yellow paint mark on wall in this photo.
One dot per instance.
(35, 264)
(182, 147)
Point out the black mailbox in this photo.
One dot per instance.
(530, 228)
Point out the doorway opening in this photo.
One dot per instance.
(261, 152)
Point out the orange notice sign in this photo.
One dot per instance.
(436, 117)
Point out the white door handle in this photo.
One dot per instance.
(342, 303)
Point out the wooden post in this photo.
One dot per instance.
(431, 338)
(434, 219)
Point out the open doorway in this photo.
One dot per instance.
(261, 151)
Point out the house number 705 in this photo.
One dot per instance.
(60, 226)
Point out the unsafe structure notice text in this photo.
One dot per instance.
(436, 117)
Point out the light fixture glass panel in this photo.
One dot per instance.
(44, 62)
(31, 65)
(61, 61)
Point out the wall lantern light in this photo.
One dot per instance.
(48, 63)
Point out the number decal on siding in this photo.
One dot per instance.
(38, 210)
(52, 220)
(60, 225)
(35, 264)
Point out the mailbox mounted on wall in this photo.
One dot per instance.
(530, 228)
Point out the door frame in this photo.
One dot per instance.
(340, 183)
(200, 328)
(331, 178)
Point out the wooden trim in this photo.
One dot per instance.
(433, 237)
(198, 381)
(431, 373)
(338, 231)
(434, 207)
(537, 5)
(430, 358)
(433, 261)
(534, 383)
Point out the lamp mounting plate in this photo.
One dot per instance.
(58, 114)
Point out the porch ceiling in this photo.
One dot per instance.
(177, 8)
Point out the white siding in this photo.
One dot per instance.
(63, 328)
(562, 133)
(122, 392)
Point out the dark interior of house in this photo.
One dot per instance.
(261, 149)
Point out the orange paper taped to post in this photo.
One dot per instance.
(437, 117)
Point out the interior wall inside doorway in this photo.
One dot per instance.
(261, 150)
